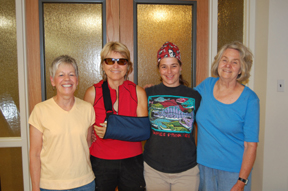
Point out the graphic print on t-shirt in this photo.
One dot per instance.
(171, 114)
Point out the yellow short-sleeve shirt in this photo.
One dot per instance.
(65, 158)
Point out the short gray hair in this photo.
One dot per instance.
(63, 59)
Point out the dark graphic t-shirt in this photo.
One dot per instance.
(171, 147)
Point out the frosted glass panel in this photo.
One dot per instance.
(9, 95)
(157, 24)
(75, 30)
(11, 177)
(230, 21)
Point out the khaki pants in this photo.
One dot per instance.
(159, 181)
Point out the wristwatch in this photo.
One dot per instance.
(243, 180)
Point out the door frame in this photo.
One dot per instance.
(22, 141)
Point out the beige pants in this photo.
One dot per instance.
(159, 181)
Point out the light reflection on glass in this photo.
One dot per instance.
(90, 22)
(9, 94)
(5, 22)
(159, 15)
(10, 112)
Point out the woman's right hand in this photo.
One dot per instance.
(100, 130)
(148, 86)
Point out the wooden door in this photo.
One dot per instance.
(119, 27)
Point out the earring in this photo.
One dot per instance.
(53, 88)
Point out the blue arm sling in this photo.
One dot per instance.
(121, 127)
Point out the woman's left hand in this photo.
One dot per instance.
(239, 186)
(249, 156)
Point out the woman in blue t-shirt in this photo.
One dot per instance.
(228, 122)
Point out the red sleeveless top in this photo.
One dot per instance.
(110, 148)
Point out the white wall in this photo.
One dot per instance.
(275, 163)
(271, 63)
(260, 83)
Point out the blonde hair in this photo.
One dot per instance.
(117, 47)
(246, 60)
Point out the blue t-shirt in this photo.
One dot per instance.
(223, 128)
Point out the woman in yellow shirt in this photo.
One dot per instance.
(60, 128)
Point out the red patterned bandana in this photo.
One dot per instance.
(168, 49)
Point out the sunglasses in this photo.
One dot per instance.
(120, 61)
